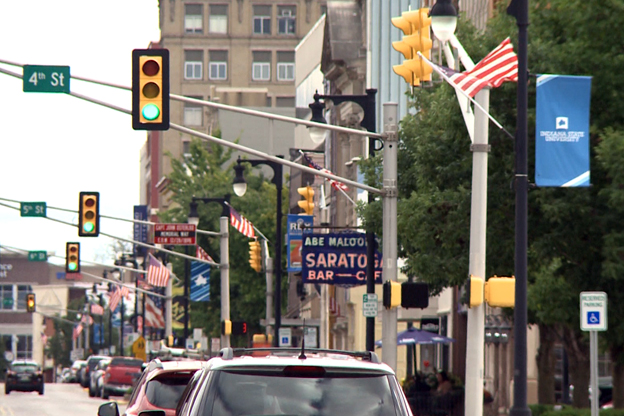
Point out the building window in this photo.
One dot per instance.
(193, 20)
(193, 113)
(218, 19)
(288, 102)
(262, 20)
(261, 67)
(6, 294)
(286, 19)
(193, 64)
(218, 65)
(323, 9)
(285, 66)
(24, 347)
(22, 290)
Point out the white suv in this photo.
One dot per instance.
(289, 381)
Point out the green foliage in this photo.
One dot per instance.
(208, 172)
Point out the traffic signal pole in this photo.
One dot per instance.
(224, 223)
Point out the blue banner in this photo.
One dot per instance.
(200, 281)
(140, 230)
(337, 259)
(562, 130)
(294, 240)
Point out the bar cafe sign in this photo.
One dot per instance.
(336, 259)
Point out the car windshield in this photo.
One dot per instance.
(24, 368)
(165, 392)
(313, 394)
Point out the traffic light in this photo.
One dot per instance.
(391, 294)
(226, 327)
(150, 89)
(474, 291)
(255, 255)
(89, 214)
(501, 291)
(307, 205)
(239, 327)
(414, 295)
(72, 258)
(31, 304)
(416, 25)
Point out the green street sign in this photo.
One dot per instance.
(7, 303)
(32, 209)
(44, 78)
(39, 255)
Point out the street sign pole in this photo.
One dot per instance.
(593, 319)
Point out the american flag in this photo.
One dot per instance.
(153, 313)
(77, 331)
(242, 224)
(337, 185)
(97, 309)
(139, 324)
(498, 66)
(157, 273)
(115, 297)
(201, 254)
(44, 338)
(470, 84)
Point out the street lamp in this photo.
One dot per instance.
(367, 102)
(443, 20)
(240, 187)
(224, 221)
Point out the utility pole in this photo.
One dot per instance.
(389, 316)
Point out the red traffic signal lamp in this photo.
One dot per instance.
(72, 258)
(31, 304)
(150, 89)
(89, 214)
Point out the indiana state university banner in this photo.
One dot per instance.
(562, 130)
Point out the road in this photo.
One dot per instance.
(59, 400)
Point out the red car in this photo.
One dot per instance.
(161, 385)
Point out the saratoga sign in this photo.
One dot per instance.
(337, 259)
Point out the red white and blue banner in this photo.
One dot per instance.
(337, 259)
(294, 239)
(562, 131)
(200, 281)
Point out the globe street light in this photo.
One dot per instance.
(443, 20)
(240, 187)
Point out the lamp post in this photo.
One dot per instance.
(240, 187)
(367, 102)
(520, 10)
(224, 266)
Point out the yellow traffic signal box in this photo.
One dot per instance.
(501, 292)
(255, 255)
(416, 25)
(89, 214)
(307, 205)
(72, 257)
(31, 304)
(150, 89)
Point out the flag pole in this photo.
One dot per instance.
(447, 79)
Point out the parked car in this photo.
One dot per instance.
(76, 370)
(24, 375)
(97, 376)
(159, 388)
(85, 372)
(119, 377)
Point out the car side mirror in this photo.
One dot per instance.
(109, 409)
(152, 413)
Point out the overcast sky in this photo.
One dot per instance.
(52, 146)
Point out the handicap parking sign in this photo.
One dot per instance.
(593, 311)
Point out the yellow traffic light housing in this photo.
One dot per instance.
(307, 205)
(226, 327)
(150, 89)
(31, 304)
(89, 214)
(501, 292)
(255, 255)
(416, 25)
(391, 294)
(474, 291)
(72, 257)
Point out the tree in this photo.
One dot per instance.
(575, 235)
(208, 172)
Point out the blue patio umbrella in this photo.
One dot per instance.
(417, 336)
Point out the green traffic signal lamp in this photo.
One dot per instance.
(150, 89)
(72, 258)
(89, 214)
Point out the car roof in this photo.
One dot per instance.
(157, 367)
(336, 359)
(26, 362)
